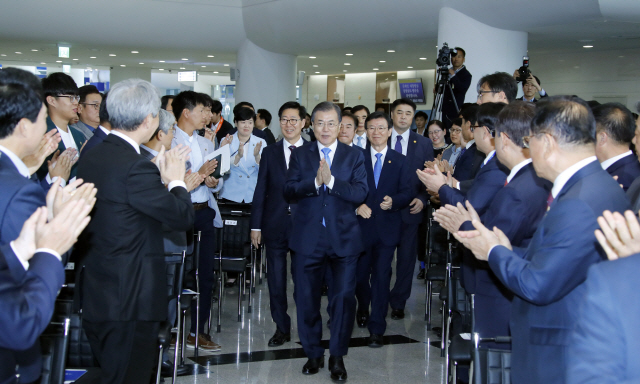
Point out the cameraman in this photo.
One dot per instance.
(460, 80)
(530, 87)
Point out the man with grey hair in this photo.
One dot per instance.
(121, 251)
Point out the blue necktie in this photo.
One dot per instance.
(377, 168)
(326, 151)
(359, 142)
(398, 146)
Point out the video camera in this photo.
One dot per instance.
(444, 55)
(524, 72)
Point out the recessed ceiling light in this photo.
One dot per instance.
(584, 46)
(182, 68)
(312, 57)
(349, 54)
(375, 69)
(3, 55)
(18, 53)
(122, 65)
(382, 61)
(140, 63)
(34, 50)
(204, 66)
(75, 59)
(134, 51)
(216, 72)
(210, 56)
(344, 70)
(347, 63)
(621, 57)
(410, 67)
(161, 69)
(58, 61)
(43, 63)
(183, 59)
(337, 77)
(390, 50)
(162, 61)
(92, 57)
(226, 65)
(317, 72)
(423, 58)
(314, 65)
(112, 54)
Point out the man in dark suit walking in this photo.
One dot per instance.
(547, 277)
(615, 127)
(329, 181)
(390, 190)
(417, 149)
(271, 215)
(123, 258)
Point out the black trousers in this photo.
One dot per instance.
(204, 224)
(405, 266)
(277, 281)
(126, 350)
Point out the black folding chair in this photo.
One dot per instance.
(54, 343)
(491, 366)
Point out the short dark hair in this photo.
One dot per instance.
(326, 106)
(216, 106)
(302, 111)
(350, 116)
(616, 120)
(500, 82)
(438, 123)
(243, 114)
(457, 121)
(265, 115)
(488, 115)
(104, 114)
(464, 53)
(21, 97)
(360, 107)
(568, 118)
(346, 109)
(515, 120)
(242, 104)
(185, 100)
(378, 115)
(164, 101)
(422, 114)
(538, 80)
(469, 112)
(207, 101)
(57, 84)
(403, 102)
(87, 90)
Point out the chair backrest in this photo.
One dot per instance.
(54, 343)
(175, 272)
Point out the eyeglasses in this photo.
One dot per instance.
(435, 132)
(481, 92)
(95, 106)
(330, 124)
(72, 98)
(289, 121)
(471, 128)
(455, 130)
(379, 129)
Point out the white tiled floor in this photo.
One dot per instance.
(416, 362)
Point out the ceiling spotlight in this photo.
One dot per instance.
(92, 57)
(216, 72)
(112, 54)
(226, 65)
(183, 59)
(43, 63)
(140, 63)
(349, 54)
(344, 70)
(75, 59)
(204, 66)
(210, 56)
(34, 50)
(347, 63)
(18, 53)
(3, 55)
(410, 67)
(162, 61)
(122, 65)
(312, 57)
(314, 65)
(423, 58)
(390, 50)
(161, 69)
(382, 61)
(375, 69)
(58, 61)
(317, 72)
(584, 46)
(134, 51)
(182, 68)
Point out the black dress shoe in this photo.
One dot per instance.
(279, 338)
(397, 314)
(362, 318)
(324, 291)
(166, 369)
(421, 274)
(313, 366)
(336, 366)
(375, 341)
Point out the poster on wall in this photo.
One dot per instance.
(412, 89)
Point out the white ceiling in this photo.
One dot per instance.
(171, 30)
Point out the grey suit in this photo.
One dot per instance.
(80, 126)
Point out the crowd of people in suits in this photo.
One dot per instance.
(537, 195)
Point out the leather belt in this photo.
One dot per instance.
(199, 206)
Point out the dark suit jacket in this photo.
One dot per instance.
(627, 169)
(124, 267)
(27, 299)
(606, 339)
(419, 150)
(97, 138)
(633, 194)
(78, 137)
(547, 277)
(336, 205)
(395, 182)
(226, 129)
(468, 164)
(459, 84)
(269, 210)
(269, 138)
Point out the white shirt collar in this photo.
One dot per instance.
(127, 139)
(405, 136)
(332, 147)
(20, 165)
(470, 143)
(489, 157)
(374, 152)
(184, 134)
(105, 130)
(516, 169)
(298, 143)
(565, 175)
(150, 150)
(609, 162)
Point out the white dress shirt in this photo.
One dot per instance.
(105, 130)
(287, 151)
(470, 143)
(331, 154)
(404, 142)
(363, 140)
(516, 169)
(374, 158)
(609, 162)
(199, 194)
(489, 157)
(67, 138)
(565, 175)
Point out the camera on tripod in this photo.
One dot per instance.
(524, 72)
(444, 55)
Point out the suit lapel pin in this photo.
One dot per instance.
(414, 141)
(389, 161)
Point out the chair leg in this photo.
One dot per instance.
(445, 335)
(254, 266)
(261, 261)
(240, 294)
(429, 303)
(179, 332)
(159, 366)
(184, 338)
(197, 324)
(454, 372)
(426, 300)
(220, 284)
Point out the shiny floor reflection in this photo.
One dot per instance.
(246, 358)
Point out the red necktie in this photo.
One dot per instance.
(549, 200)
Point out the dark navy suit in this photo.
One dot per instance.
(547, 277)
(78, 137)
(468, 164)
(381, 234)
(459, 85)
(337, 244)
(97, 138)
(270, 213)
(517, 210)
(419, 150)
(627, 169)
(606, 339)
(27, 300)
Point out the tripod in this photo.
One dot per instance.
(442, 83)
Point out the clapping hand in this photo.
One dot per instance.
(193, 180)
(227, 140)
(61, 163)
(256, 152)
(47, 146)
(619, 235)
(58, 198)
(63, 231)
(451, 218)
(171, 165)
(481, 240)
(432, 178)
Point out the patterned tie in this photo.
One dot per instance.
(326, 151)
(359, 144)
(292, 147)
(398, 146)
(377, 168)
(549, 200)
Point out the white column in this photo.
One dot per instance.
(488, 49)
(266, 80)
